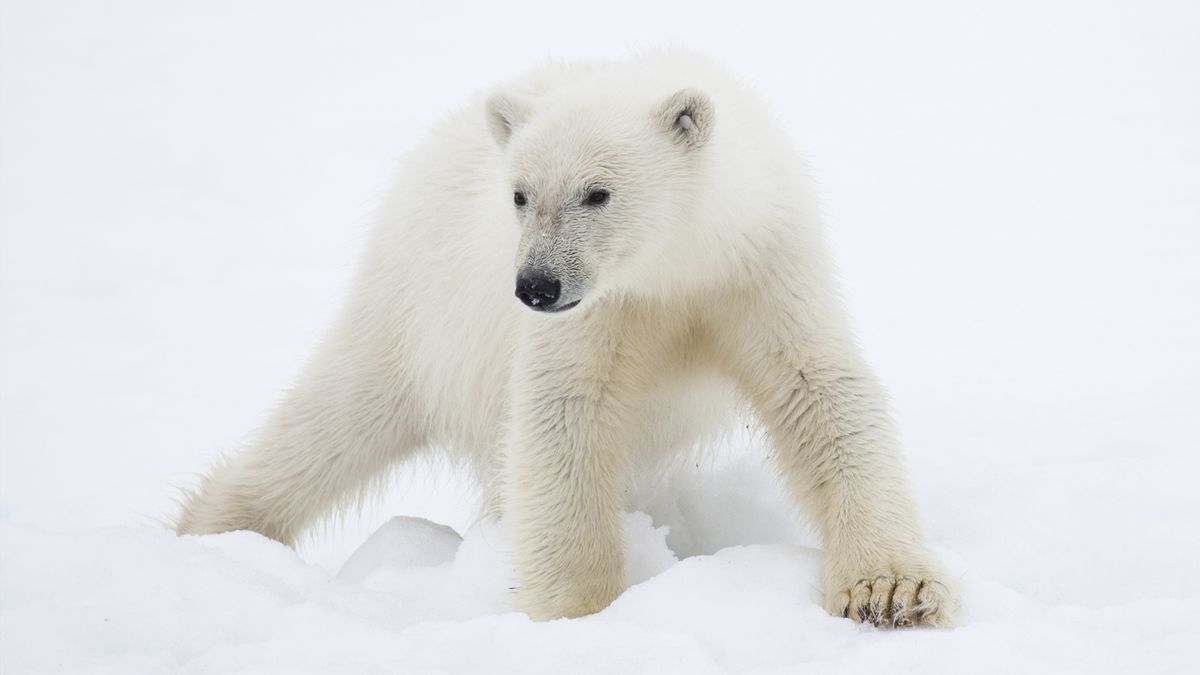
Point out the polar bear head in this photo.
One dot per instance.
(596, 184)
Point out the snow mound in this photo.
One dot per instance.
(646, 550)
(402, 542)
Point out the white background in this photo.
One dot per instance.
(1013, 192)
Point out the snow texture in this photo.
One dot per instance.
(1012, 196)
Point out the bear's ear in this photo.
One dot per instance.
(504, 114)
(688, 117)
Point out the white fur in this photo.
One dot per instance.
(707, 262)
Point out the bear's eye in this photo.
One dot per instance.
(519, 198)
(597, 198)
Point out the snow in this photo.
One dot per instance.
(1012, 195)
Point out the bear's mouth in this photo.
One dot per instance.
(554, 309)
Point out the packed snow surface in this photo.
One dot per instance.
(1013, 194)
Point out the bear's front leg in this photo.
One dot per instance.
(836, 446)
(835, 443)
(563, 475)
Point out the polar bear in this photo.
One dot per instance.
(659, 235)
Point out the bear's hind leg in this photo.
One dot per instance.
(335, 434)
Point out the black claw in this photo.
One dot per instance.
(874, 614)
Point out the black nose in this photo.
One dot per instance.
(538, 291)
